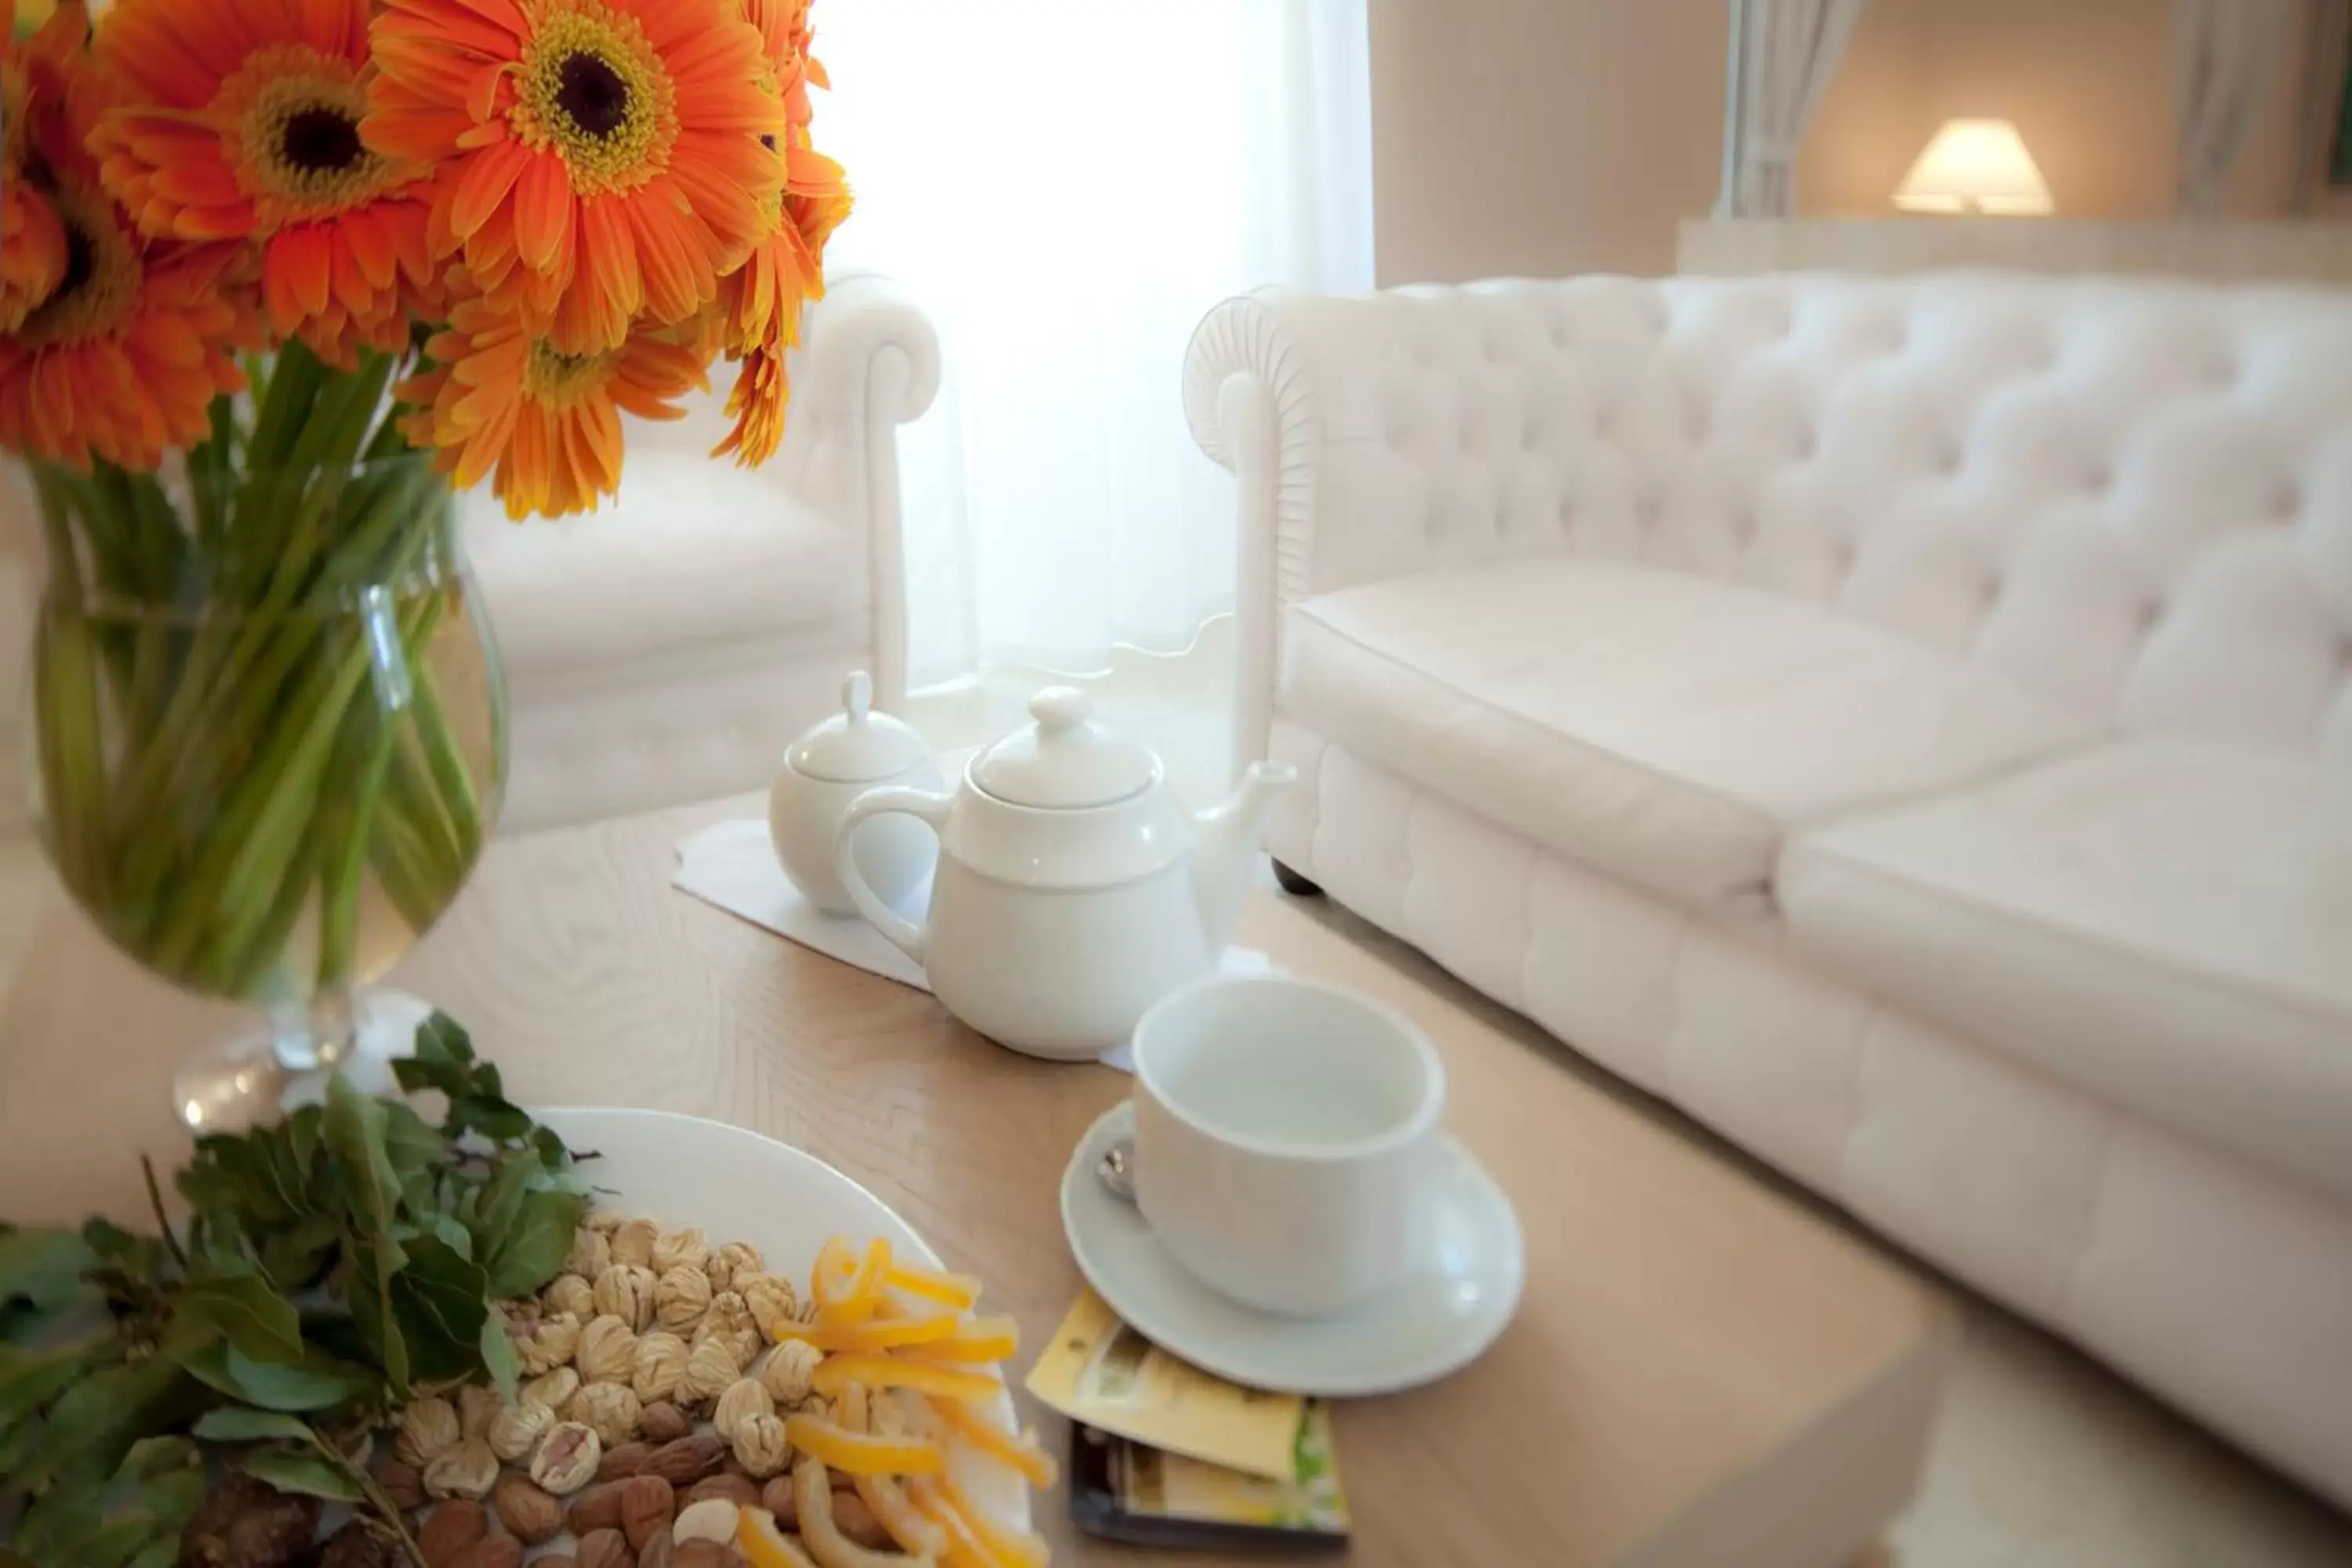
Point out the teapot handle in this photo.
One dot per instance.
(904, 933)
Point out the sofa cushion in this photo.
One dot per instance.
(1670, 729)
(2166, 924)
(693, 555)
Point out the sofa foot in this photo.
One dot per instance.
(1291, 882)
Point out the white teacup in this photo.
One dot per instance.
(1283, 1131)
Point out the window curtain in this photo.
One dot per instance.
(1787, 51)
(1067, 187)
(2224, 54)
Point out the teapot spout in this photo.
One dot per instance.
(1226, 850)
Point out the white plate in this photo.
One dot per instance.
(1460, 1297)
(739, 1186)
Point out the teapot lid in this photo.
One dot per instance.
(857, 745)
(1065, 761)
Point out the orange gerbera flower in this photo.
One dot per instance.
(601, 159)
(244, 124)
(500, 396)
(32, 241)
(761, 303)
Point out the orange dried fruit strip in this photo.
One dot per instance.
(764, 1544)
(964, 1548)
(975, 1340)
(886, 1498)
(813, 1491)
(961, 1291)
(856, 1302)
(862, 1453)
(835, 1268)
(880, 1334)
(1016, 1548)
(947, 1383)
(1020, 1452)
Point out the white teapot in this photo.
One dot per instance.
(1073, 891)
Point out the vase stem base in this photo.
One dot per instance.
(244, 1080)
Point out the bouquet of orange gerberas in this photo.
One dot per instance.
(275, 276)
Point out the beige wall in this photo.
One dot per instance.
(2089, 83)
(1541, 137)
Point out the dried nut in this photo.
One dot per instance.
(466, 1470)
(711, 1369)
(528, 1512)
(743, 1400)
(553, 1560)
(712, 1519)
(610, 1407)
(552, 1389)
(626, 1291)
(570, 1293)
(547, 1344)
(628, 1459)
(598, 1507)
(701, 1553)
(761, 1446)
(659, 1363)
(567, 1457)
(362, 1544)
(779, 1498)
(608, 1347)
(632, 1243)
(605, 1548)
(399, 1481)
(591, 1254)
(680, 1297)
(790, 1371)
(428, 1428)
(736, 1257)
(646, 1504)
(451, 1531)
(743, 1493)
(730, 1321)
(518, 1430)
(769, 1299)
(604, 1222)
(492, 1551)
(477, 1408)
(659, 1553)
(661, 1421)
(686, 1248)
(688, 1459)
(856, 1520)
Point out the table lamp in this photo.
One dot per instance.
(1977, 167)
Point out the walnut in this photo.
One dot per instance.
(632, 1243)
(744, 1399)
(553, 1389)
(659, 1363)
(468, 1469)
(759, 1446)
(710, 1370)
(570, 1293)
(626, 1291)
(729, 1321)
(547, 1344)
(790, 1371)
(610, 1408)
(591, 1254)
(681, 1297)
(736, 1257)
(519, 1428)
(567, 1457)
(428, 1428)
(476, 1407)
(687, 1249)
(770, 1298)
(607, 1347)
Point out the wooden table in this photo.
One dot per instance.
(1700, 1373)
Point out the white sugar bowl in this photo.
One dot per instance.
(839, 760)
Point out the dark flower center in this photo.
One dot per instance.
(320, 140)
(593, 93)
(80, 263)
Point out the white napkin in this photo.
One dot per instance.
(733, 866)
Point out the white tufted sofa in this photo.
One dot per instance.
(1905, 722)
(668, 647)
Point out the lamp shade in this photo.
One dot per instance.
(1975, 166)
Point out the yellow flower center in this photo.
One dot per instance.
(292, 132)
(591, 87)
(100, 285)
(560, 380)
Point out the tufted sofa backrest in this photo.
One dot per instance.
(2134, 497)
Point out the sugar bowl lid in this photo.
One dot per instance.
(1065, 761)
(857, 745)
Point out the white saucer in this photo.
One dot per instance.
(1437, 1323)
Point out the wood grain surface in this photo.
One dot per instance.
(1700, 1373)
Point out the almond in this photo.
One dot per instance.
(492, 1551)
(621, 1462)
(687, 1459)
(598, 1507)
(735, 1490)
(529, 1513)
(604, 1548)
(647, 1505)
(451, 1531)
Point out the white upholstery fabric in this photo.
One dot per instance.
(2168, 925)
(1668, 728)
(2059, 995)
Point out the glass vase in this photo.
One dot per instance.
(263, 758)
